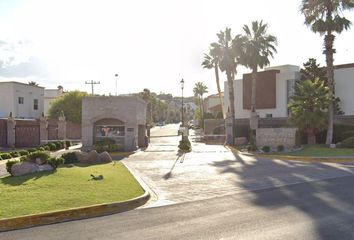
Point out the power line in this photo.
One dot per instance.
(92, 83)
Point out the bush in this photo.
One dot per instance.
(266, 149)
(23, 153)
(52, 146)
(348, 143)
(348, 134)
(9, 165)
(280, 148)
(70, 157)
(252, 148)
(185, 145)
(58, 145)
(40, 149)
(31, 150)
(44, 156)
(67, 144)
(55, 162)
(5, 156)
(0, 157)
(46, 148)
(14, 154)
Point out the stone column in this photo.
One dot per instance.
(254, 121)
(11, 132)
(43, 130)
(228, 129)
(61, 128)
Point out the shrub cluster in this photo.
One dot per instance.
(108, 145)
(348, 143)
(5, 156)
(185, 145)
(266, 149)
(69, 158)
(44, 156)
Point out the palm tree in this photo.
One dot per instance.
(33, 83)
(211, 60)
(308, 107)
(199, 90)
(325, 17)
(227, 64)
(256, 48)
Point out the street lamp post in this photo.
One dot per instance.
(116, 77)
(182, 86)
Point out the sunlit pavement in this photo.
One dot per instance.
(213, 170)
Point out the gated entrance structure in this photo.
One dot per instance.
(27, 134)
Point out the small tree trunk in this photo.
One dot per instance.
(311, 136)
(253, 116)
(230, 84)
(216, 68)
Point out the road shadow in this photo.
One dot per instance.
(180, 156)
(332, 214)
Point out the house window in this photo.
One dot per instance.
(35, 104)
(21, 100)
(269, 115)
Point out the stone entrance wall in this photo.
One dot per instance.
(274, 137)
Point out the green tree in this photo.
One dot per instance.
(199, 90)
(33, 83)
(70, 104)
(312, 70)
(257, 46)
(309, 107)
(326, 18)
(211, 61)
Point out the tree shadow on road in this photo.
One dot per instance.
(333, 213)
(180, 156)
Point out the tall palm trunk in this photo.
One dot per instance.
(230, 84)
(216, 68)
(328, 41)
(253, 99)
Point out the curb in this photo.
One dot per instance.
(300, 158)
(74, 213)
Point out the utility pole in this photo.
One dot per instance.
(116, 76)
(92, 83)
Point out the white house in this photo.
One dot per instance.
(21, 100)
(49, 96)
(275, 87)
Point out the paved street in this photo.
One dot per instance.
(211, 193)
(316, 210)
(213, 170)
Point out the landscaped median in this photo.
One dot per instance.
(68, 193)
(311, 153)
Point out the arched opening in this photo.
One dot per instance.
(109, 128)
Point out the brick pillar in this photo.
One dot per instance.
(43, 130)
(11, 132)
(228, 129)
(61, 128)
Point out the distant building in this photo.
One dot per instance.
(275, 88)
(21, 100)
(212, 104)
(51, 95)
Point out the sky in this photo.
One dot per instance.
(149, 44)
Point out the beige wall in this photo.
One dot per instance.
(129, 109)
(344, 80)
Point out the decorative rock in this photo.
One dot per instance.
(92, 157)
(104, 157)
(39, 161)
(45, 167)
(24, 168)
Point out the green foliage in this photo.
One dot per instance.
(40, 149)
(348, 134)
(108, 145)
(252, 148)
(309, 105)
(52, 146)
(185, 145)
(23, 152)
(55, 162)
(44, 156)
(5, 156)
(14, 154)
(31, 150)
(70, 157)
(9, 165)
(280, 148)
(348, 143)
(46, 148)
(266, 149)
(67, 144)
(58, 145)
(156, 109)
(0, 157)
(70, 104)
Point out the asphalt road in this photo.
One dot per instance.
(315, 210)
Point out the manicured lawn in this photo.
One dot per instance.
(66, 188)
(320, 151)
